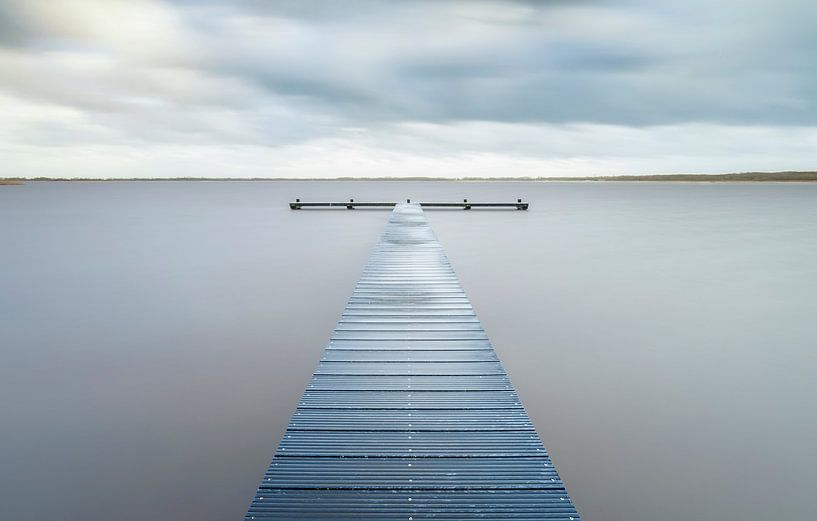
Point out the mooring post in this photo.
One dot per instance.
(467, 206)
(350, 206)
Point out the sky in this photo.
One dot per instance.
(366, 88)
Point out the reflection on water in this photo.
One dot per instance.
(155, 337)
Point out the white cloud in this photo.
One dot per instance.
(35, 144)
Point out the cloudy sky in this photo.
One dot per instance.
(147, 88)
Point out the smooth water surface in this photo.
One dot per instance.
(155, 337)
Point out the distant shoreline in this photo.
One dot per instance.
(744, 177)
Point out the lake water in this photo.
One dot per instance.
(155, 337)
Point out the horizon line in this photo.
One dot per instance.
(788, 175)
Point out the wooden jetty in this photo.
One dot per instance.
(410, 414)
(351, 204)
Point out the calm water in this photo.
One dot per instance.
(155, 338)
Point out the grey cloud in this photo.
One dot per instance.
(15, 28)
(274, 73)
(666, 70)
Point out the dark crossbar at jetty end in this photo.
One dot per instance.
(351, 204)
(410, 414)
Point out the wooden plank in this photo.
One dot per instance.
(410, 415)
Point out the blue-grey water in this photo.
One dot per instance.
(155, 338)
